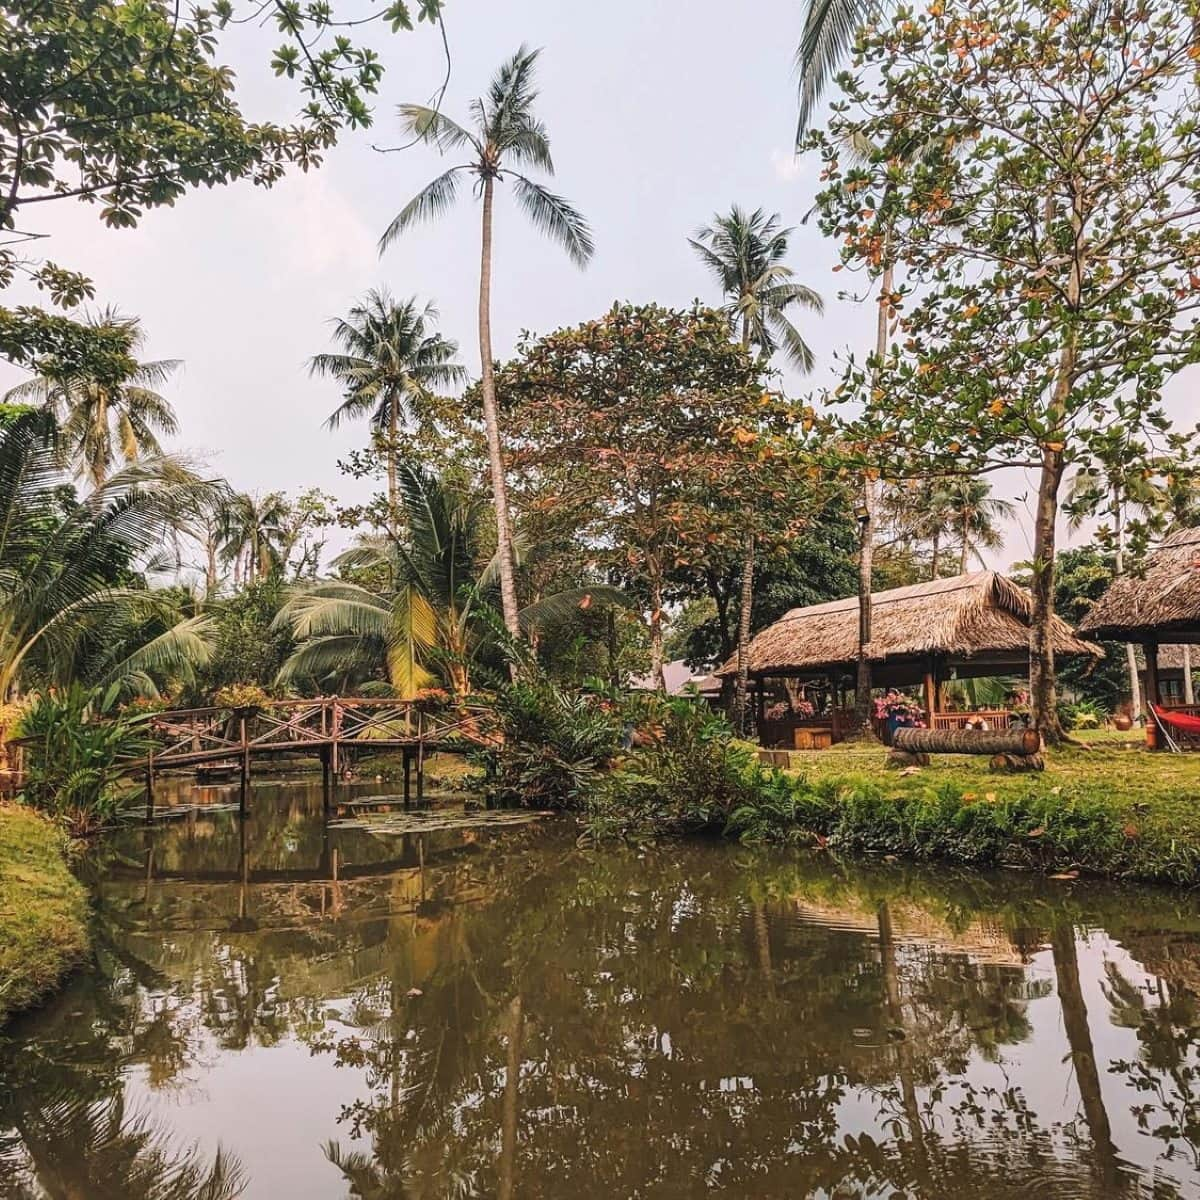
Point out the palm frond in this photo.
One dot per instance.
(830, 27)
(432, 125)
(554, 216)
(431, 201)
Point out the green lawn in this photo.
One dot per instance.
(43, 910)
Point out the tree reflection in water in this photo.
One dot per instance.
(524, 1020)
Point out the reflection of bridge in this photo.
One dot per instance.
(326, 728)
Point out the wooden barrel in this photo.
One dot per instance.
(968, 741)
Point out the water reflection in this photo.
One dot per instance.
(283, 1009)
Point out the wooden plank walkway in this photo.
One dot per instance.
(325, 728)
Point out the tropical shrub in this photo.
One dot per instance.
(75, 741)
(692, 777)
(553, 744)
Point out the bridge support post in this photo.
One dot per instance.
(243, 794)
(407, 777)
(420, 772)
(326, 774)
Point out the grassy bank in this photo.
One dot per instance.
(1108, 809)
(1112, 809)
(43, 910)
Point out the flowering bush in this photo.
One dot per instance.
(781, 709)
(241, 696)
(900, 710)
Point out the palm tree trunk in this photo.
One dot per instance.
(964, 552)
(743, 638)
(866, 545)
(508, 588)
(1135, 686)
(510, 1106)
(210, 574)
(747, 598)
(1189, 694)
(393, 425)
(935, 560)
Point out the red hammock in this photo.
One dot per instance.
(1184, 722)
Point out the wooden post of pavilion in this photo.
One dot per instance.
(834, 725)
(1153, 696)
(930, 689)
(760, 706)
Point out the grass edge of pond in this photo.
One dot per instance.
(43, 910)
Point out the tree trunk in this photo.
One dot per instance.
(964, 553)
(1189, 695)
(1083, 1056)
(743, 638)
(210, 574)
(508, 587)
(967, 741)
(1042, 693)
(510, 1106)
(657, 678)
(935, 560)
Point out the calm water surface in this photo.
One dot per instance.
(285, 1011)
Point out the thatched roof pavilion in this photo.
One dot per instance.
(1159, 606)
(964, 627)
(979, 622)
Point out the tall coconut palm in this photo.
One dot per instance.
(975, 516)
(390, 361)
(745, 253)
(108, 419)
(830, 27)
(504, 135)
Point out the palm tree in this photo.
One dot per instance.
(745, 254)
(106, 419)
(975, 516)
(70, 588)
(505, 134)
(830, 27)
(390, 361)
(428, 610)
(252, 533)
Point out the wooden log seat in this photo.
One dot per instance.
(968, 741)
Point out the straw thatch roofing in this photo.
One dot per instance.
(981, 616)
(1164, 602)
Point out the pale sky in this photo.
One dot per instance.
(660, 113)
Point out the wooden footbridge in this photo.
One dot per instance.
(327, 728)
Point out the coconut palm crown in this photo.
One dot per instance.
(103, 420)
(744, 253)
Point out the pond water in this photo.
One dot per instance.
(282, 1010)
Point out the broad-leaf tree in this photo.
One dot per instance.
(1050, 235)
(650, 427)
(107, 418)
(127, 106)
(390, 363)
(505, 137)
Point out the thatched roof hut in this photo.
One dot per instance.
(977, 623)
(1161, 605)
